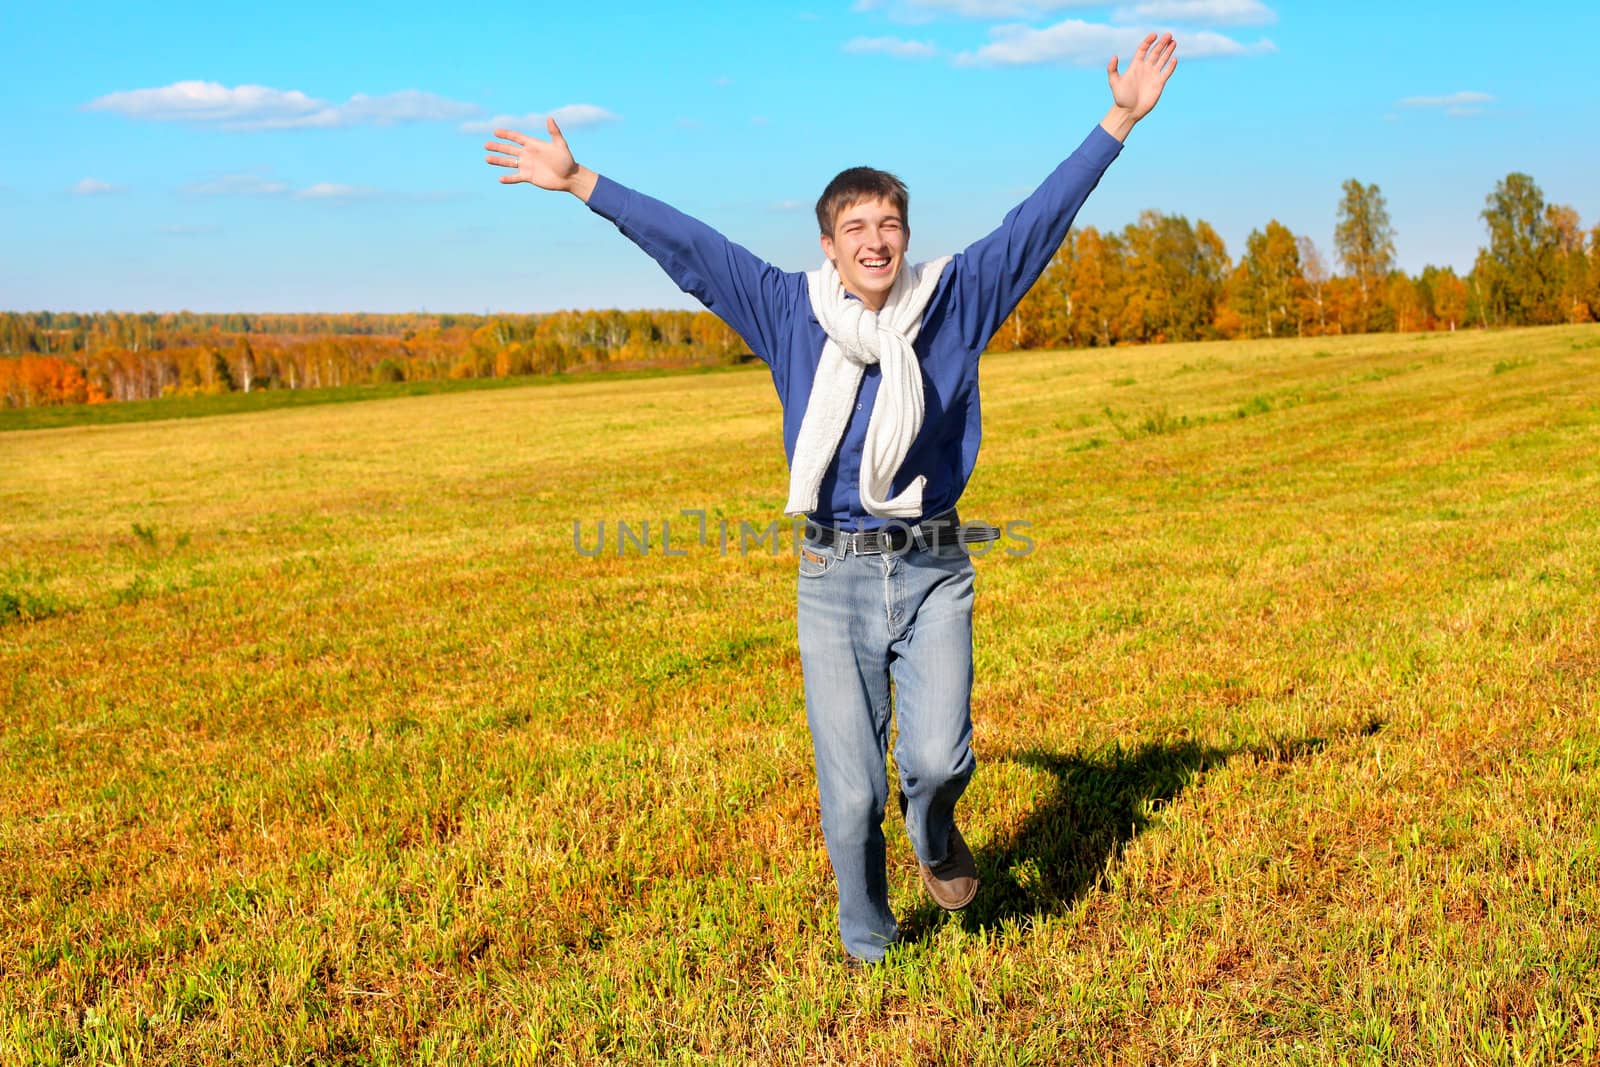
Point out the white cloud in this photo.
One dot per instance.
(1454, 100)
(1218, 12)
(1091, 44)
(260, 107)
(408, 105)
(790, 205)
(1207, 45)
(568, 117)
(253, 183)
(891, 46)
(924, 10)
(1073, 40)
(583, 115)
(189, 229)
(94, 187)
(1222, 12)
(261, 183)
(197, 101)
(335, 191)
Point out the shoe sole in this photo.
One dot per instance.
(954, 905)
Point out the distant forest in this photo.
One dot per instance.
(1158, 279)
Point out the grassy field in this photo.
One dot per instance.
(323, 744)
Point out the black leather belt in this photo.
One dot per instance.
(897, 537)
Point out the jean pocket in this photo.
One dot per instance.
(815, 560)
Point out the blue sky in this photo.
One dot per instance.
(299, 157)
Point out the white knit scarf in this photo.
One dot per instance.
(856, 337)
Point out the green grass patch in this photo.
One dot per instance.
(1504, 365)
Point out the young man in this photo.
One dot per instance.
(875, 362)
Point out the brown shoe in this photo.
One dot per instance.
(953, 882)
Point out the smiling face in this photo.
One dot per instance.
(868, 246)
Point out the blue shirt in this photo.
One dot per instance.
(771, 310)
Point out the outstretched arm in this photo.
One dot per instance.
(1134, 93)
(547, 164)
(749, 294)
(996, 271)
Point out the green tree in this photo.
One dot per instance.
(219, 376)
(1364, 239)
(1521, 268)
(1270, 285)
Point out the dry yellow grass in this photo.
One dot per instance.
(323, 744)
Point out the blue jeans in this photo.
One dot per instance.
(866, 621)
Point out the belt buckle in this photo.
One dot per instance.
(867, 543)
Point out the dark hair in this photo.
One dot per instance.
(851, 187)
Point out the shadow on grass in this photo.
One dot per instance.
(1096, 805)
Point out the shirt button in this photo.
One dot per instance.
(858, 407)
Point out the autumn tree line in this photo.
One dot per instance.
(1162, 279)
(1158, 279)
(92, 358)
